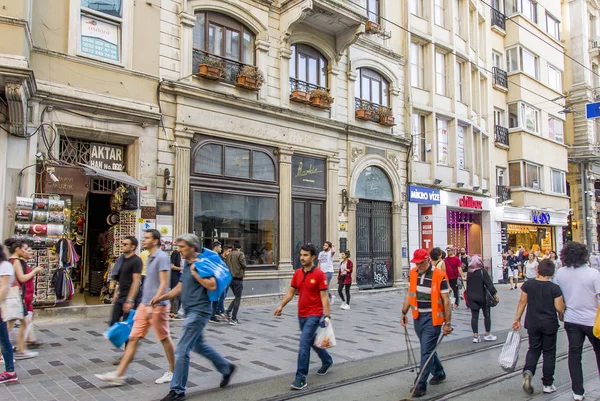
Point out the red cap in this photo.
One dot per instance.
(420, 255)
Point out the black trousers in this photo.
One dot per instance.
(341, 286)
(542, 342)
(487, 320)
(454, 287)
(576, 333)
(237, 286)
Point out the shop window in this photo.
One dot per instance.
(235, 162)
(101, 29)
(372, 87)
(252, 220)
(373, 183)
(308, 65)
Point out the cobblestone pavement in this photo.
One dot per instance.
(262, 346)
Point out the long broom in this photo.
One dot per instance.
(412, 392)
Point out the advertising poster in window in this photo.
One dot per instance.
(442, 142)
(427, 227)
(460, 146)
(99, 38)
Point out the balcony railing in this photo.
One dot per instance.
(372, 108)
(298, 85)
(232, 67)
(503, 193)
(500, 78)
(498, 19)
(501, 135)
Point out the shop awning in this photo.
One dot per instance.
(118, 176)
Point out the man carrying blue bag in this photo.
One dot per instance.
(203, 279)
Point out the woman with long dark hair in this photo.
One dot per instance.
(345, 279)
(478, 280)
(7, 277)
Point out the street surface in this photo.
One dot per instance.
(264, 347)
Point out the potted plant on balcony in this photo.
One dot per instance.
(386, 117)
(300, 96)
(211, 68)
(364, 111)
(372, 27)
(320, 98)
(250, 77)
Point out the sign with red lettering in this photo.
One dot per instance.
(469, 202)
(427, 227)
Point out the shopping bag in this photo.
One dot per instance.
(119, 332)
(210, 264)
(597, 324)
(12, 306)
(325, 337)
(510, 351)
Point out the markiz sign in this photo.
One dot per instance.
(423, 195)
(538, 217)
(469, 202)
(106, 157)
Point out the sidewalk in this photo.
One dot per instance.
(261, 346)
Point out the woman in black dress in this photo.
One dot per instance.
(478, 280)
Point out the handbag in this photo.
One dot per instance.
(597, 324)
(510, 352)
(12, 306)
(490, 300)
(119, 332)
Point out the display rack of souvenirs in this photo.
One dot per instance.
(42, 222)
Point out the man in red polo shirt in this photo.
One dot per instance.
(313, 307)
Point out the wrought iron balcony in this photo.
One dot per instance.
(500, 77)
(501, 135)
(498, 19)
(298, 85)
(232, 67)
(366, 110)
(503, 193)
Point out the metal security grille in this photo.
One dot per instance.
(374, 242)
(74, 151)
(102, 186)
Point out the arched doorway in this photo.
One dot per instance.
(374, 238)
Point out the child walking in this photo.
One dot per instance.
(345, 279)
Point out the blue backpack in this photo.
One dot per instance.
(210, 264)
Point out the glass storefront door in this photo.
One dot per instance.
(308, 226)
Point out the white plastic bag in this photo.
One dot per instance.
(325, 337)
(510, 351)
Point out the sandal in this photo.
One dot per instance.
(34, 344)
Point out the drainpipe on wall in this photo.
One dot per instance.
(586, 206)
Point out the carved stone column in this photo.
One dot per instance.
(352, 76)
(284, 76)
(352, 246)
(181, 189)
(187, 22)
(262, 62)
(334, 71)
(18, 92)
(397, 239)
(285, 210)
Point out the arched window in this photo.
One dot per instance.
(219, 35)
(372, 87)
(374, 184)
(235, 162)
(308, 65)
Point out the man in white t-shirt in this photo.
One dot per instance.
(326, 265)
(580, 285)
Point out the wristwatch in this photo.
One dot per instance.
(129, 301)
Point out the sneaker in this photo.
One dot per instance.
(490, 337)
(418, 392)
(325, 368)
(25, 355)
(8, 377)
(577, 397)
(173, 396)
(343, 305)
(298, 384)
(214, 319)
(177, 318)
(332, 299)
(346, 307)
(476, 339)
(437, 380)
(166, 378)
(527, 382)
(511, 288)
(112, 378)
(234, 322)
(226, 378)
(223, 316)
(549, 389)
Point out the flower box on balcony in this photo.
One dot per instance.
(300, 96)
(364, 114)
(372, 27)
(211, 68)
(386, 117)
(321, 99)
(250, 77)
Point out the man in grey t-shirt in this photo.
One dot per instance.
(156, 285)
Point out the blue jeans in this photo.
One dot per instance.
(219, 306)
(7, 351)
(308, 327)
(329, 277)
(191, 338)
(428, 337)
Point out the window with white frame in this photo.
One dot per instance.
(552, 26)
(473, 29)
(460, 146)
(461, 21)
(556, 129)
(101, 29)
(558, 182)
(439, 12)
(442, 141)
(416, 7)
(418, 137)
(554, 78)
(459, 73)
(497, 60)
(522, 115)
(499, 118)
(373, 10)
(475, 88)
(526, 7)
(485, 145)
(476, 151)
(417, 69)
(532, 176)
(524, 174)
(440, 73)
(519, 59)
